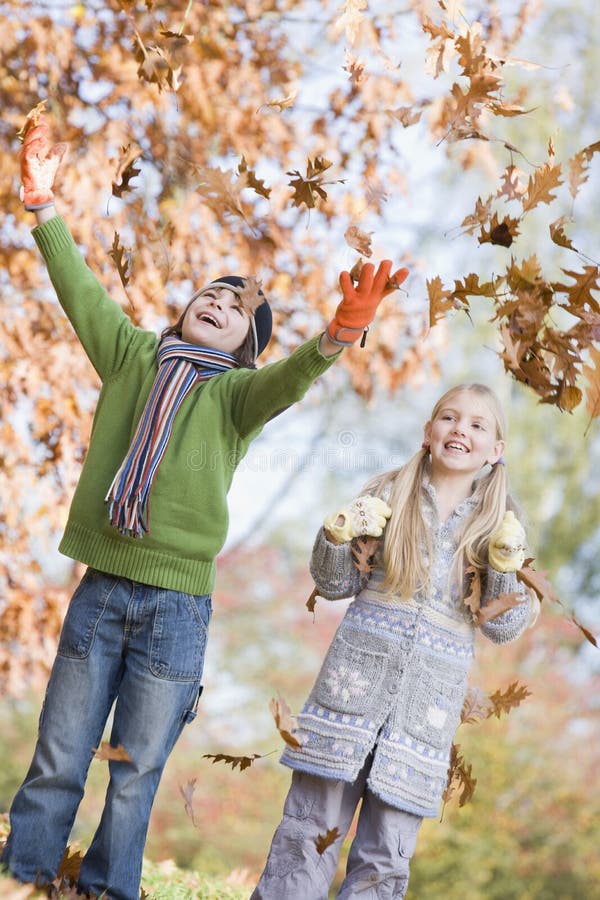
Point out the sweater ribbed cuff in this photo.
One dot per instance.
(52, 237)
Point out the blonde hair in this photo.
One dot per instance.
(407, 547)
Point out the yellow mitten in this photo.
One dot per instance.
(506, 551)
(364, 516)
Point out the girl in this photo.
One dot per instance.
(379, 721)
(148, 518)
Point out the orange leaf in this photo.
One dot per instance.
(499, 232)
(470, 287)
(592, 374)
(460, 778)
(473, 599)
(580, 293)
(578, 167)
(586, 633)
(558, 235)
(125, 170)
(312, 600)
(116, 754)
(540, 187)
(285, 722)
(497, 606)
(538, 582)
(68, 871)
(363, 551)
(440, 300)
(504, 701)
(306, 187)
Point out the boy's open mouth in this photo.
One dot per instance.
(206, 317)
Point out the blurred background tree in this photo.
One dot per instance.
(290, 140)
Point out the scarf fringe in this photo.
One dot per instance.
(180, 367)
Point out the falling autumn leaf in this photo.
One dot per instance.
(187, 792)
(558, 235)
(363, 551)
(244, 762)
(504, 701)
(307, 189)
(257, 185)
(460, 778)
(285, 722)
(358, 239)
(473, 597)
(281, 103)
(476, 707)
(68, 871)
(312, 600)
(251, 296)
(498, 606)
(537, 581)
(121, 259)
(126, 170)
(323, 841)
(539, 189)
(591, 372)
(32, 118)
(114, 754)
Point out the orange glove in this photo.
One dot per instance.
(39, 163)
(357, 309)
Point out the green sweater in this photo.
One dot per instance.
(212, 430)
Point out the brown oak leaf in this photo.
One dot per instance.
(116, 754)
(285, 722)
(497, 606)
(242, 761)
(363, 550)
(358, 239)
(504, 701)
(323, 841)
(126, 170)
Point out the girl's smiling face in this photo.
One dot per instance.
(463, 435)
(216, 319)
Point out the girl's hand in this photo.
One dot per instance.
(39, 164)
(506, 552)
(357, 309)
(364, 516)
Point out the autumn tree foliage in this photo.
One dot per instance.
(202, 141)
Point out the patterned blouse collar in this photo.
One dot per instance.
(464, 508)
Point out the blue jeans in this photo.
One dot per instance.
(142, 647)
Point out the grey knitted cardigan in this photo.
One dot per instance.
(394, 678)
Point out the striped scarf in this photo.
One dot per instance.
(180, 367)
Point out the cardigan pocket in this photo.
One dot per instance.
(436, 691)
(352, 674)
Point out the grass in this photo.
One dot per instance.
(160, 881)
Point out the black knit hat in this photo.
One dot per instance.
(261, 322)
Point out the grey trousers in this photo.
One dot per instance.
(379, 857)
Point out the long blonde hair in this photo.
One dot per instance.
(407, 547)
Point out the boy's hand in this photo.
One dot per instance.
(39, 163)
(357, 309)
(364, 516)
(506, 551)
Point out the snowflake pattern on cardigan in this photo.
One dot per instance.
(394, 678)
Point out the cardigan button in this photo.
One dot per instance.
(393, 687)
